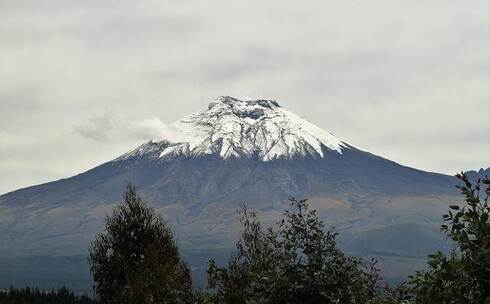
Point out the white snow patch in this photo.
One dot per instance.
(230, 127)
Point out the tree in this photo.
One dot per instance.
(136, 259)
(298, 262)
(464, 275)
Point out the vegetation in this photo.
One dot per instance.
(297, 263)
(136, 259)
(35, 296)
(300, 263)
(464, 275)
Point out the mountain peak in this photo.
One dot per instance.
(232, 101)
(231, 127)
(248, 108)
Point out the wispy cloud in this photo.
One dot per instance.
(155, 129)
(98, 127)
(110, 127)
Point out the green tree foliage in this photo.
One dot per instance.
(29, 295)
(398, 294)
(298, 262)
(464, 275)
(136, 259)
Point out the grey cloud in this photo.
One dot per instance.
(98, 127)
(404, 79)
(19, 106)
(251, 63)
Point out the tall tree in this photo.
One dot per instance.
(464, 275)
(298, 262)
(136, 259)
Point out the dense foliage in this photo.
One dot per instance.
(35, 296)
(464, 275)
(136, 259)
(298, 262)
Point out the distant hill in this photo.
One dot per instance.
(480, 174)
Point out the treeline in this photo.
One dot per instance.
(35, 296)
(137, 260)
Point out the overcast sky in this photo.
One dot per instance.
(82, 82)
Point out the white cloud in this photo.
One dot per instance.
(110, 127)
(155, 129)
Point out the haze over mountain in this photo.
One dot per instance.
(254, 152)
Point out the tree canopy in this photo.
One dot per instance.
(464, 275)
(136, 259)
(299, 262)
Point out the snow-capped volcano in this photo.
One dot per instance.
(230, 127)
(206, 165)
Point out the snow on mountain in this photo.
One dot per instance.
(230, 127)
